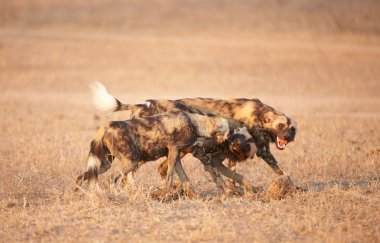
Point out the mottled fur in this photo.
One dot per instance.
(250, 112)
(265, 123)
(140, 140)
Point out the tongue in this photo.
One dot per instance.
(281, 143)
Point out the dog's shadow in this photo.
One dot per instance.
(176, 193)
(341, 184)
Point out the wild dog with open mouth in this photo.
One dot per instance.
(139, 140)
(251, 112)
(265, 124)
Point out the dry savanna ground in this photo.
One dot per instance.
(317, 61)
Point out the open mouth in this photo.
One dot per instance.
(281, 143)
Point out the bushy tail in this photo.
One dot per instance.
(103, 100)
(93, 167)
(95, 157)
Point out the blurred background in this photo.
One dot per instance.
(275, 50)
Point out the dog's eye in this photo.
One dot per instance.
(281, 126)
(235, 145)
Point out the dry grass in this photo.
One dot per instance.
(317, 61)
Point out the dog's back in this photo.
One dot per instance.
(248, 111)
(151, 135)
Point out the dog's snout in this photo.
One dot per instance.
(287, 137)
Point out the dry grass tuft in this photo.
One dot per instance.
(164, 194)
(281, 187)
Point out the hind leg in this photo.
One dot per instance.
(95, 166)
(125, 177)
(128, 177)
(131, 177)
(129, 166)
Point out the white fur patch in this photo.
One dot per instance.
(224, 128)
(243, 131)
(101, 98)
(208, 125)
(147, 104)
(93, 162)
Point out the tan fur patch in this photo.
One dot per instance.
(245, 113)
(279, 120)
(99, 134)
(171, 124)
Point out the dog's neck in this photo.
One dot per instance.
(207, 126)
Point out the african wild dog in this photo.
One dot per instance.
(265, 124)
(239, 147)
(140, 140)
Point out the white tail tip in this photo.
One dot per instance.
(101, 98)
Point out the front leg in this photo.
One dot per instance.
(235, 177)
(267, 156)
(232, 166)
(207, 162)
(271, 161)
(262, 139)
(218, 159)
(186, 185)
(163, 166)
